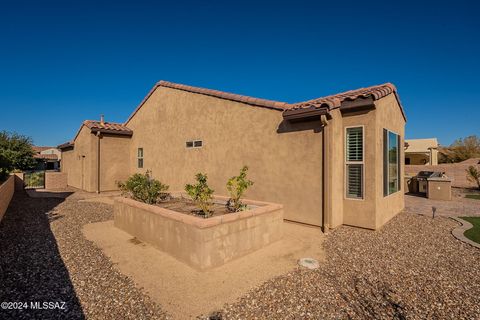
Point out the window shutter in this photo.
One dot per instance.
(355, 144)
(354, 162)
(354, 181)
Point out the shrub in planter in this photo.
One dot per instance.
(201, 194)
(144, 188)
(237, 186)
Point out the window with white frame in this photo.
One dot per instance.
(391, 162)
(354, 165)
(194, 144)
(140, 157)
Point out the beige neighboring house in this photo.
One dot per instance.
(421, 151)
(330, 161)
(48, 158)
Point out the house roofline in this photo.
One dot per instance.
(257, 102)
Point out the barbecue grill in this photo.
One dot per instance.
(422, 178)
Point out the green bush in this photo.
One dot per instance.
(144, 188)
(201, 194)
(236, 186)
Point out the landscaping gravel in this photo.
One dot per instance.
(410, 269)
(45, 258)
(413, 268)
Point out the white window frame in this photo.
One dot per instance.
(346, 163)
(399, 168)
(193, 141)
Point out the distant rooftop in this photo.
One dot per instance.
(421, 145)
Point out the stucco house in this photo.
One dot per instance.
(332, 160)
(421, 151)
(48, 158)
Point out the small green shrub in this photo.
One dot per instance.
(473, 175)
(201, 194)
(237, 186)
(144, 188)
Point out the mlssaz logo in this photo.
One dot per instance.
(47, 305)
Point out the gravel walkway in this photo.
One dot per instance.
(44, 257)
(413, 268)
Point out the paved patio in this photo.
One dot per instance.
(459, 205)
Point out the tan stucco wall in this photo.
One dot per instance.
(361, 212)
(388, 116)
(439, 189)
(81, 170)
(114, 164)
(114, 161)
(286, 167)
(201, 243)
(335, 170)
(374, 209)
(7, 189)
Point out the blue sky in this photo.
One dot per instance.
(63, 61)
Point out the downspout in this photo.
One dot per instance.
(325, 171)
(98, 161)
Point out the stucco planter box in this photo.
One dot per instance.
(199, 242)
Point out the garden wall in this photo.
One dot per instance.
(55, 180)
(455, 171)
(6, 193)
(201, 243)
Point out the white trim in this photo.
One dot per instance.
(345, 163)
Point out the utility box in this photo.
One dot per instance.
(439, 188)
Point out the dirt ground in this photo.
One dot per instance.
(185, 292)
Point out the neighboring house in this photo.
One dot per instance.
(330, 161)
(48, 158)
(421, 151)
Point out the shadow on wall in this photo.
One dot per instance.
(31, 268)
(292, 126)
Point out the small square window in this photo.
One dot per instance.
(194, 144)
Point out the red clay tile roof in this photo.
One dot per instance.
(108, 127)
(334, 101)
(46, 156)
(276, 105)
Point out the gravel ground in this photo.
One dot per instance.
(411, 269)
(44, 257)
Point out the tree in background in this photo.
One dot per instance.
(473, 175)
(460, 150)
(15, 153)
